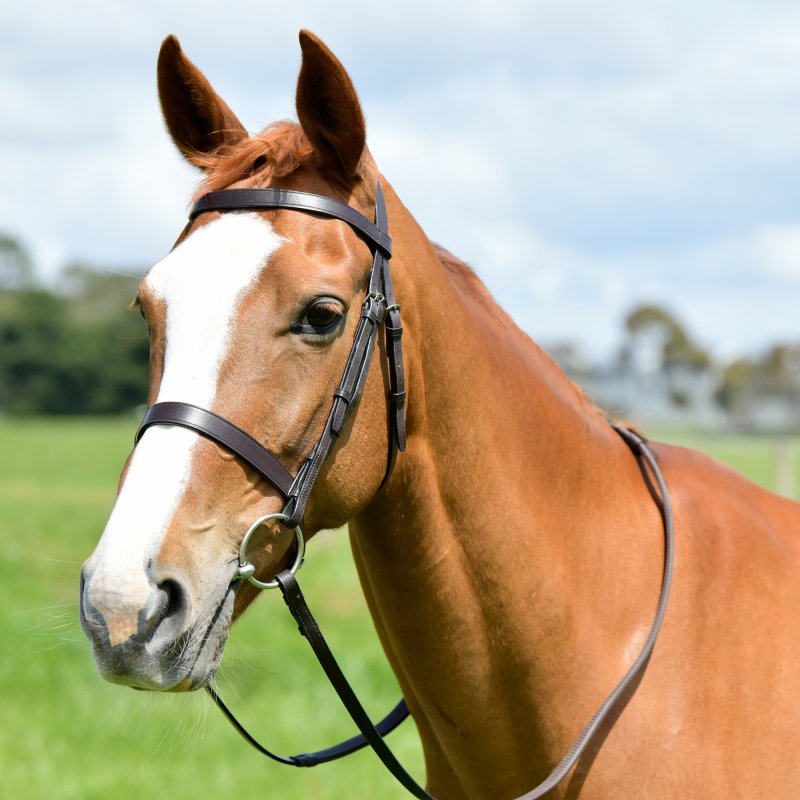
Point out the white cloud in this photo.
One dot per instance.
(778, 248)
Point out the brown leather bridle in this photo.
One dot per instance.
(379, 307)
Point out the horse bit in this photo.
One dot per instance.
(379, 308)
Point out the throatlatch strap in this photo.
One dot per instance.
(394, 347)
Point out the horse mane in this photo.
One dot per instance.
(280, 149)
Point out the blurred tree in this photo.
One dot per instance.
(31, 322)
(96, 293)
(82, 351)
(781, 370)
(660, 341)
(16, 269)
(774, 375)
(656, 342)
(736, 378)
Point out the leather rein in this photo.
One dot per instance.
(379, 308)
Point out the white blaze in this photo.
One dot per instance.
(202, 283)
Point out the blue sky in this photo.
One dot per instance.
(583, 157)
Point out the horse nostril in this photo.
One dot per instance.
(174, 598)
(167, 612)
(165, 601)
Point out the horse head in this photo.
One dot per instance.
(250, 316)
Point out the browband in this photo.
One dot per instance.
(244, 199)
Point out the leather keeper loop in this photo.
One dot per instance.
(339, 415)
(394, 331)
(343, 394)
(374, 312)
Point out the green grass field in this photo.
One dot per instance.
(65, 733)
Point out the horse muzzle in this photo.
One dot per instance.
(147, 634)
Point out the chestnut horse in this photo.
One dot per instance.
(511, 561)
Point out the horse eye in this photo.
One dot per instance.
(320, 317)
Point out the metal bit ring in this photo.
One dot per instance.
(246, 570)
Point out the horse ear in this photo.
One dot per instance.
(198, 120)
(328, 109)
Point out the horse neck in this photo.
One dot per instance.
(484, 557)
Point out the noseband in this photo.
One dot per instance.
(379, 307)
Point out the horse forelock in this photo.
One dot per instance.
(279, 150)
